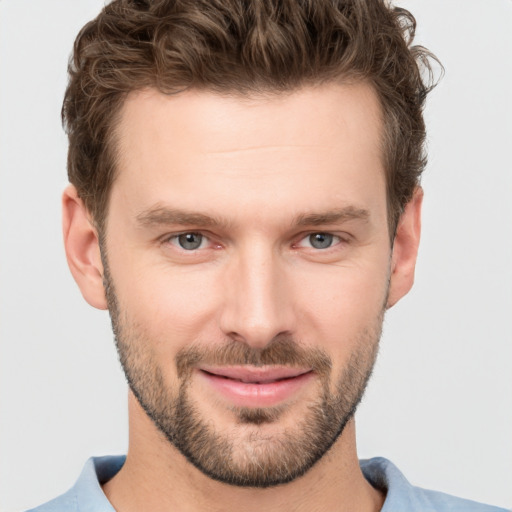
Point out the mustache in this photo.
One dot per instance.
(280, 351)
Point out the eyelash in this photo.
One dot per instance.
(175, 238)
(335, 240)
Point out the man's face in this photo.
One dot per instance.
(247, 263)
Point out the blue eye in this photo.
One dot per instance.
(321, 240)
(190, 241)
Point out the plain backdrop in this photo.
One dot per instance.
(440, 402)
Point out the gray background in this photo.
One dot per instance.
(440, 401)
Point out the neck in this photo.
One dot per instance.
(157, 477)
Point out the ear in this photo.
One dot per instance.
(405, 249)
(82, 248)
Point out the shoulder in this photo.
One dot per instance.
(65, 502)
(441, 502)
(401, 496)
(86, 495)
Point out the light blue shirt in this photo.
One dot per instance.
(86, 495)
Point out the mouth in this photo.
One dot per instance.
(250, 386)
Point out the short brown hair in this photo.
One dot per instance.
(243, 47)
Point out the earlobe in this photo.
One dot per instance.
(82, 248)
(405, 249)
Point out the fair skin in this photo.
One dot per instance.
(265, 173)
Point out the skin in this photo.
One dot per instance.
(259, 164)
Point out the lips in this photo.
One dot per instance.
(250, 386)
(255, 375)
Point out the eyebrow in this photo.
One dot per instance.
(160, 215)
(167, 216)
(332, 216)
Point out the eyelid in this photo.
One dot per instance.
(168, 237)
(208, 238)
(336, 238)
(340, 239)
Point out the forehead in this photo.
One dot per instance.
(210, 121)
(202, 151)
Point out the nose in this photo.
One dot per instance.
(258, 303)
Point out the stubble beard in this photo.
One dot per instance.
(246, 456)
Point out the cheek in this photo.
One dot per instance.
(173, 307)
(339, 308)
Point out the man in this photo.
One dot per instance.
(245, 201)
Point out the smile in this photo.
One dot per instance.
(248, 386)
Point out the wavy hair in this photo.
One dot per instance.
(244, 47)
